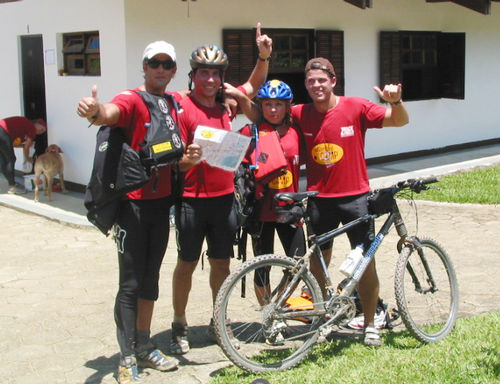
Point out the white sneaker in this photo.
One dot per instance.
(16, 189)
(380, 321)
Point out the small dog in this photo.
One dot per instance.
(49, 164)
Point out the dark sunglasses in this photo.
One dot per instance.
(318, 65)
(166, 64)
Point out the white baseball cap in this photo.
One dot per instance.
(158, 47)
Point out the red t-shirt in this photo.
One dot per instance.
(134, 119)
(335, 141)
(203, 180)
(289, 182)
(19, 129)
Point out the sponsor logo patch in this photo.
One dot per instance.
(327, 153)
(347, 131)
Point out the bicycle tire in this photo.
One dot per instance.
(428, 316)
(241, 325)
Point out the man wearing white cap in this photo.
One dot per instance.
(142, 226)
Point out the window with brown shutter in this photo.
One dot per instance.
(330, 44)
(430, 65)
(81, 51)
(292, 48)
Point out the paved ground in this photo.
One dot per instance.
(58, 282)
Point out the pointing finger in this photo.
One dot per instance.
(258, 33)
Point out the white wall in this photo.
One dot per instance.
(434, 123)
(50, 18)
(127, 26)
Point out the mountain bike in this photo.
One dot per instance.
(277, 331)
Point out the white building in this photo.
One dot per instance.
(444, 52)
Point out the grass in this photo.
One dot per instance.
(480, 186)
(470, 354)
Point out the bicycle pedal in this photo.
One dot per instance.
(324, 332)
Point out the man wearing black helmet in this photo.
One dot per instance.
(205, 212)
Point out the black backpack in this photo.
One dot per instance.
(163, 144)
(117, 170)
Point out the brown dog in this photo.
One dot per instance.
(49, 164)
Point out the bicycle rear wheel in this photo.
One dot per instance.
(260, 337)
(426, 290)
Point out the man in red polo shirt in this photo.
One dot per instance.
(17, 131)
(334, 128)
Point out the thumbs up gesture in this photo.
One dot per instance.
(89, 106)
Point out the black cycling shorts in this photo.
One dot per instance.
(327, 213)
(211, 218)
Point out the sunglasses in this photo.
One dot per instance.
(318, 65)
(166, 64)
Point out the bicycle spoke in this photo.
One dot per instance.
(427, 291)
(265, 340)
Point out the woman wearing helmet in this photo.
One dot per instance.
(205, 210)
(274, 101)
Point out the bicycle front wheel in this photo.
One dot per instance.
(426, 290)
(256, 333)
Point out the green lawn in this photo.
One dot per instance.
(470, 354)
(477, 186)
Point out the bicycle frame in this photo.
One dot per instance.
(394, 217)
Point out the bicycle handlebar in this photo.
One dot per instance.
(416, 185)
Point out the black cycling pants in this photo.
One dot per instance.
(7, 156)
(141, 235)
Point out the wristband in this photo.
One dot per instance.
(396, 102)
(262, 59)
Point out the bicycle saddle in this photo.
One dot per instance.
(294, 196)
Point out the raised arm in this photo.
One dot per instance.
(247, 106)
(397, 115)
(96, 113)
(259, 74)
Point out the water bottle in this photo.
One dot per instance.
(352, 261)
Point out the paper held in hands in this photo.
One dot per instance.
(220, 148)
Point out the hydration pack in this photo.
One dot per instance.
(117, 170)
(162, 144)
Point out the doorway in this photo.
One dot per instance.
(33, 84)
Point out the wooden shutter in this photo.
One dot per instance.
(330, 45)
(451, 64)
(482, 6)
(239, 45)
(389, 60)
(360, 3)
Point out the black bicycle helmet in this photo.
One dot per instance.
(209, 56)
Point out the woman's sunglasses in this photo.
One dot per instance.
(166, 64)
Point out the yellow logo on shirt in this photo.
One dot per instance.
(327, 153)
(283, 181)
